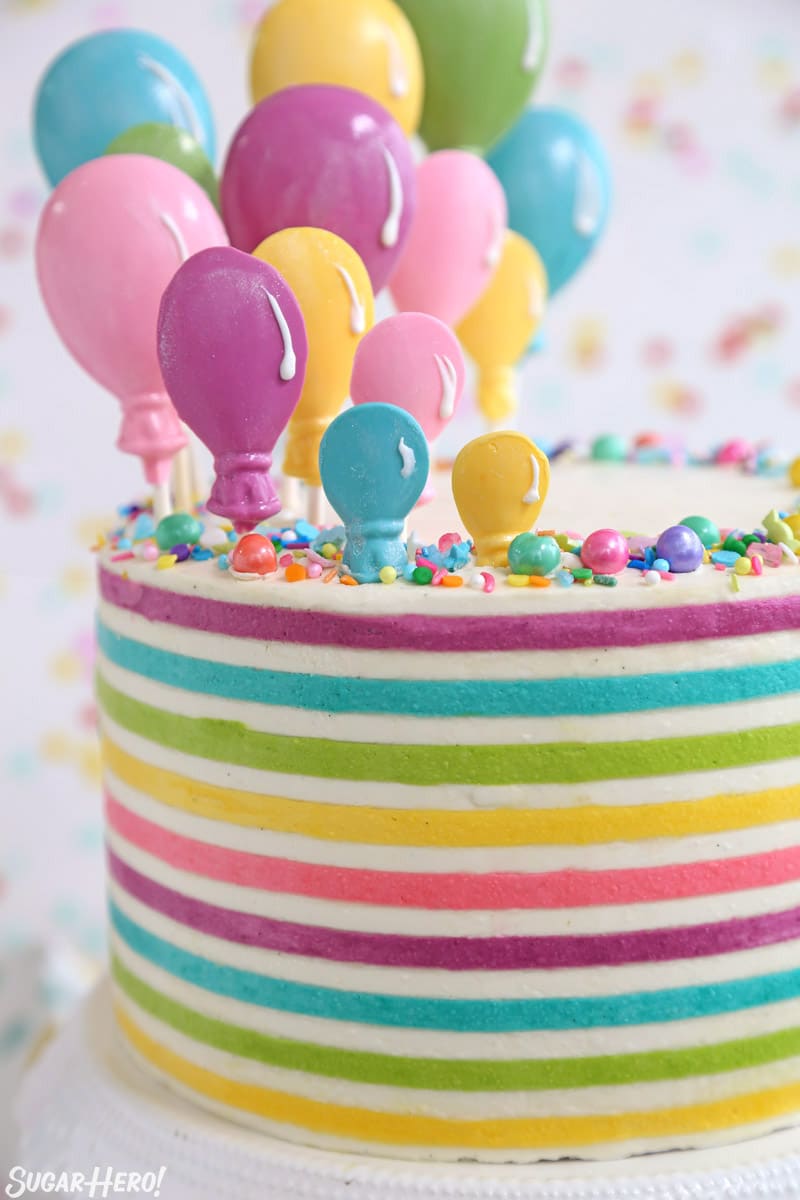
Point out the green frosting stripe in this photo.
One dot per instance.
(461, 1075)
(550, 762)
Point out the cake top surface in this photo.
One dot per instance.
(639, 500)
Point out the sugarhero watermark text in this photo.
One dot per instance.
(97, 1184)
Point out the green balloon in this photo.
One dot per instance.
(173, 145)
(482, 60)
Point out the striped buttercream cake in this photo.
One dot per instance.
(444, 875)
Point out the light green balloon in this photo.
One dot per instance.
(482, 60)
(172, 145)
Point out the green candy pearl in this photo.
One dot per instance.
(705, 529)
(178, 529)
(530, 554)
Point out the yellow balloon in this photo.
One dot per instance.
(335, 295)
(368, 45)
(498, 330)
(500, 482)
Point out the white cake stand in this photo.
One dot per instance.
(86, 1104)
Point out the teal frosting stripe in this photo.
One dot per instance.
(445, 698)
(469, 1016)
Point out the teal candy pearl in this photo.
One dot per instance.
(705, 529)
(178, 529)
(530, 554)
(609, 447)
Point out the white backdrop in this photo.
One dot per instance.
(686, 321)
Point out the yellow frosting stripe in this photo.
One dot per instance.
(408, 1129)
(582, 826)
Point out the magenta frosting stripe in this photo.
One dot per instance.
(458, 953)
(534, 631)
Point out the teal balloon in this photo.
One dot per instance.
(173, 145)
(482, 60)
(558, 185)
(105, 83)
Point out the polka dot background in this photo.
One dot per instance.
(686, 322)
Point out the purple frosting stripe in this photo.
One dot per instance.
(458, 953)
(534, 631)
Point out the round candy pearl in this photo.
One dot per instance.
(705, 529)
(387, 575)
(178, 529)
(254, 554)
(530, 554)
(609, 448)
(734, 451)
(681, 547)
(605, 551)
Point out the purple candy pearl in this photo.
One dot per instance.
(682, 548)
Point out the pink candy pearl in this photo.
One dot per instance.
(150, 552)
(314, 570)
(605, 552)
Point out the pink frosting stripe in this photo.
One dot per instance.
(534, 631)
(456, 892)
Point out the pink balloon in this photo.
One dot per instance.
(327, 157)
(456, 239)
(233, 349)
(110, 238)
(415, 362)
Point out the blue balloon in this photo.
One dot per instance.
(102, 85)
(557, 181)
(374, 462)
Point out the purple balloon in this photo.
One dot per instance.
(327, 157)
(682, 549)
(233, 350)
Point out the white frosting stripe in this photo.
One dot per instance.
(411, 921)
(488, 985)
(543, 1044)
(390, 729)
(683, 657)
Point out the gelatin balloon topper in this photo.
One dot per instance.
(413, 361)
(327, 157)
(173, 145)
(374, 462)
(105, 83)
(498, 330)
(110, 238)
(556, 177)
(482, 60)
(456, 240)
(368, 45)
(500, 482)
(232, 345)
(333, 290)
